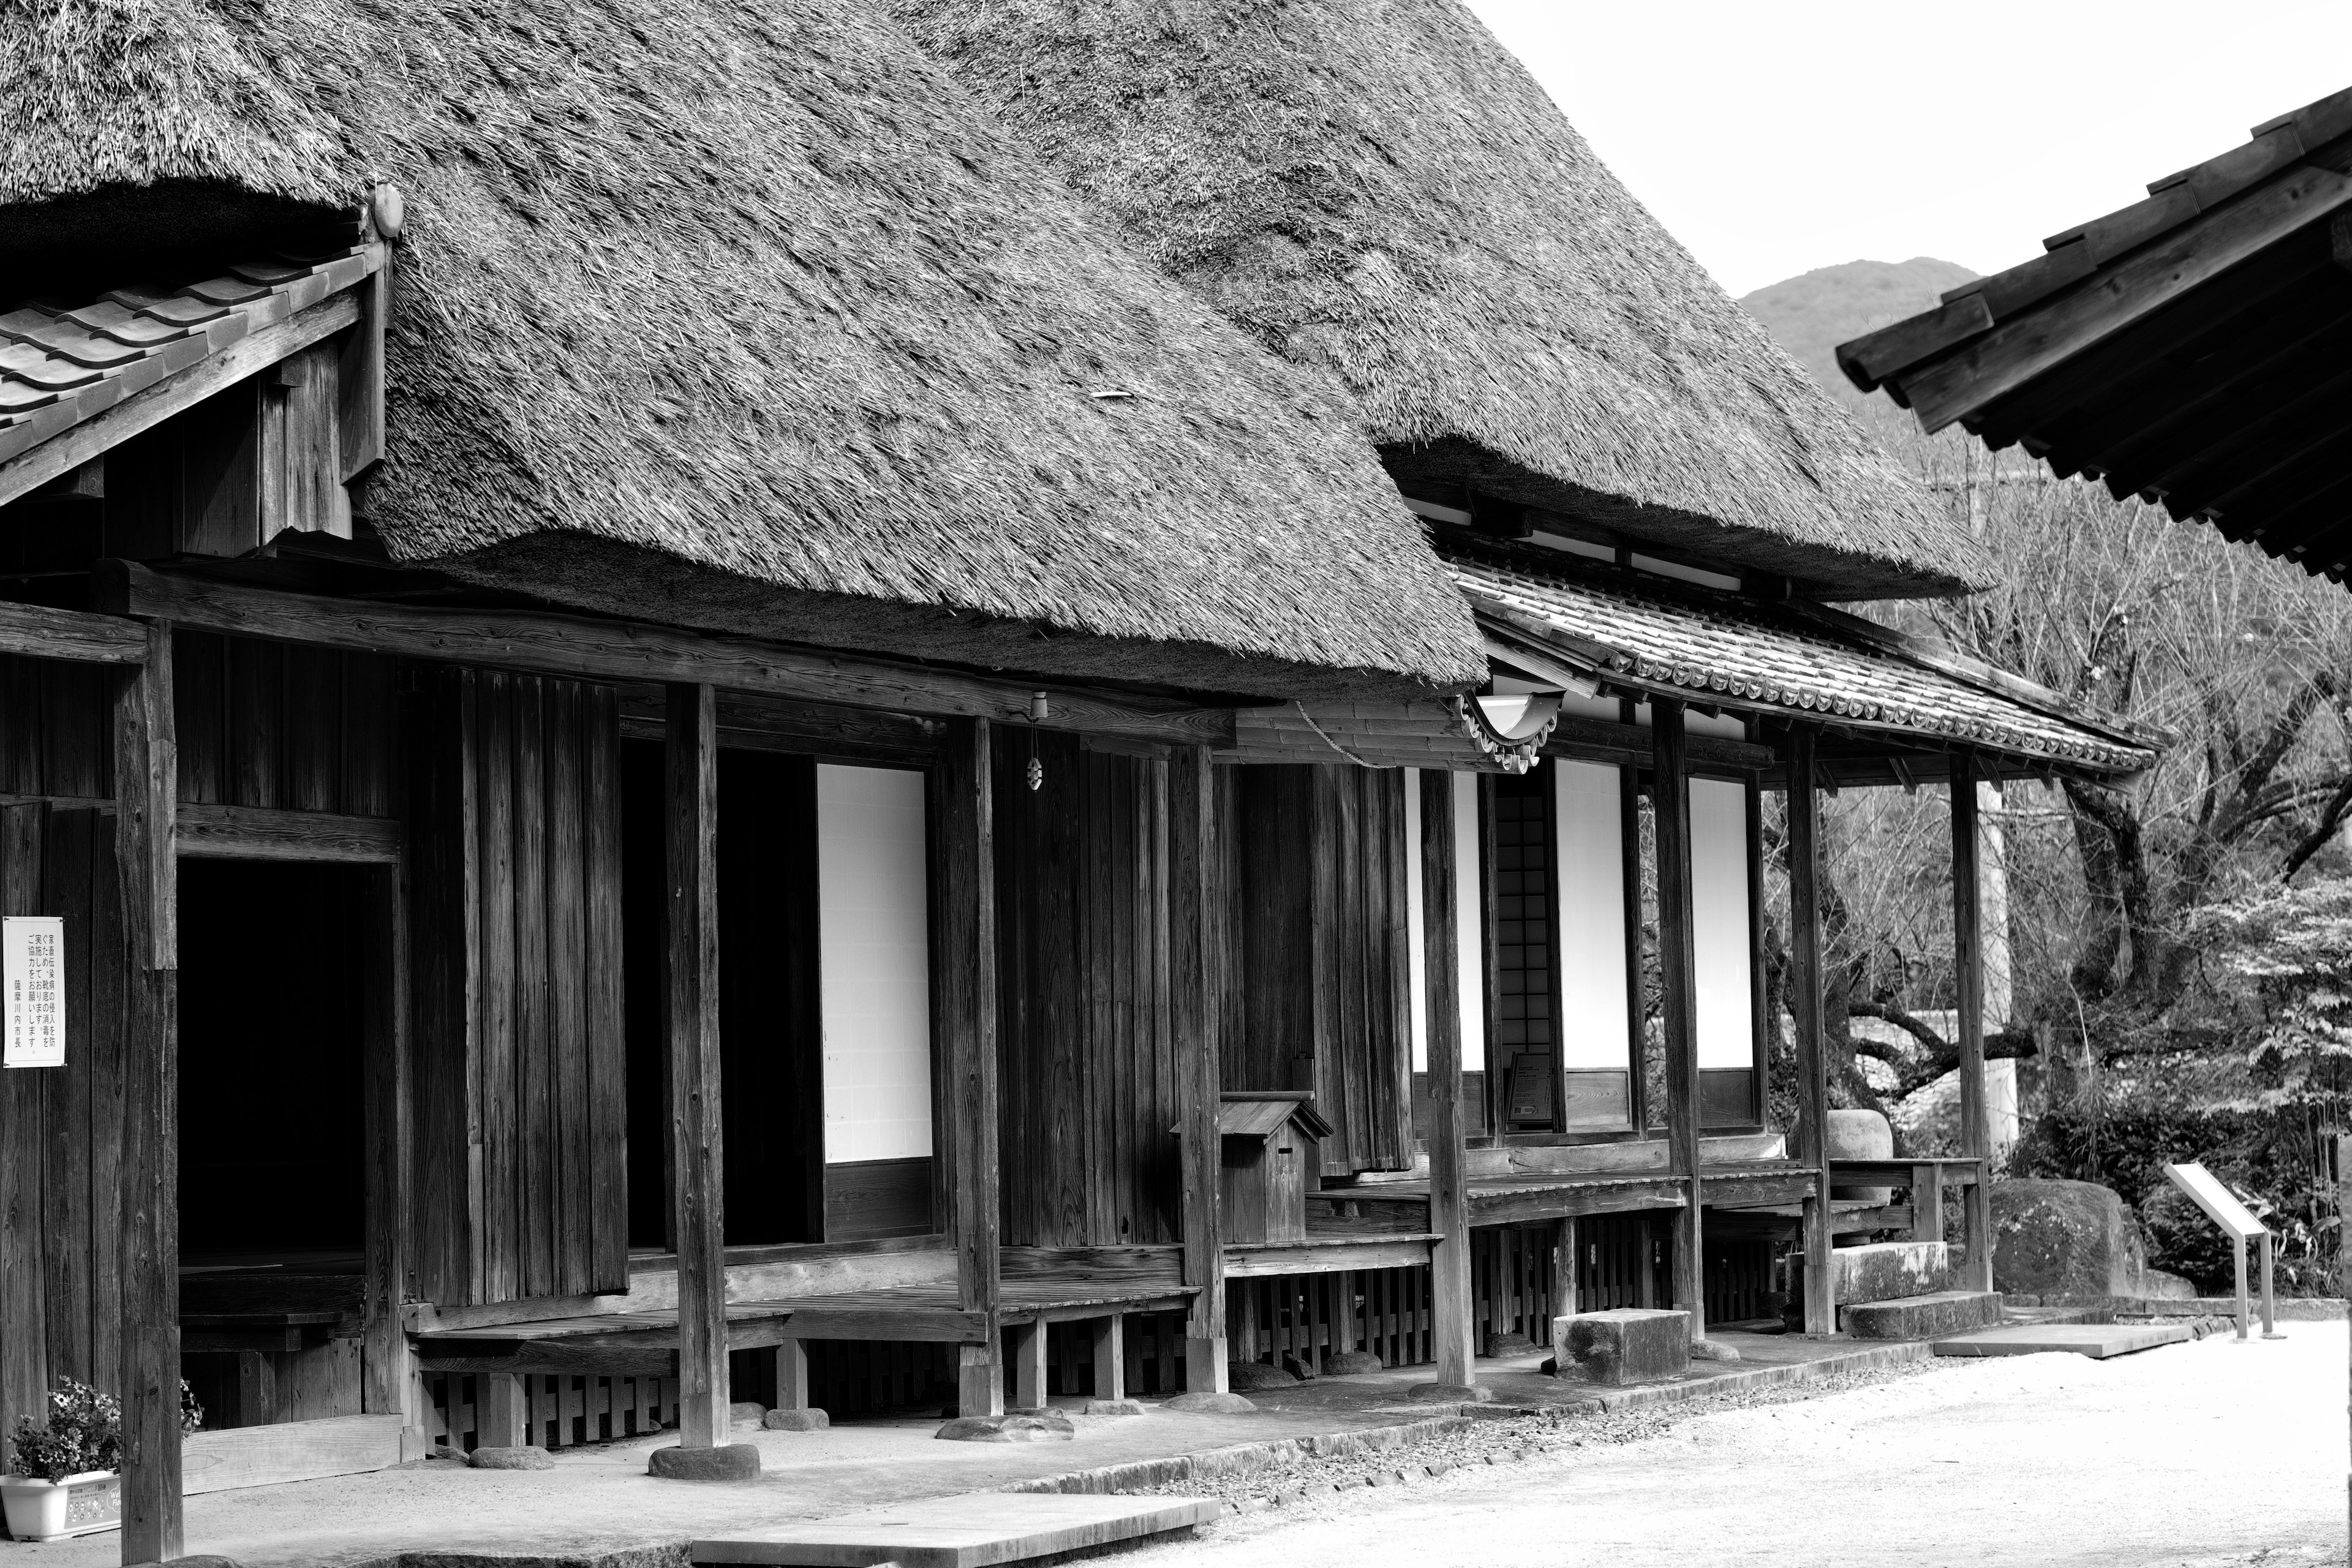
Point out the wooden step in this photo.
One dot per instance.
(1927, 1316)
(972, 1530)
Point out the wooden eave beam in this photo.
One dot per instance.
(633, 651)
(2041, 340)
(35, 631)
(141, 411)
(2294, 457)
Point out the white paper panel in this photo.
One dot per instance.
(1416, 933)
(1727, 1017)
(1589, 831)
(876, 961)
(1469, 925)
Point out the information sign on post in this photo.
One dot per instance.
(32, 984)
(2223, 1207)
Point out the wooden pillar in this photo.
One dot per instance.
(146, 785)
(1805, 1008)
(1967, 965)
(501, 1411)
(966, 950)
(391, 1385)
(1563, 1267)
(1678, 973)
(1110, 1357)
(791, 1375)
(1195, 948)
(691, 806)
(1451, 1328)
(1029, 1342)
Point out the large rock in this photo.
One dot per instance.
(727, 1462)
(1256, 1375)
(1861, 1135)
(2065, 1239)
(1630, 1344)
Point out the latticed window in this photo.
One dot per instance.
(1526, 993)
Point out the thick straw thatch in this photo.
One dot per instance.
(1378, 189)
(745, 315)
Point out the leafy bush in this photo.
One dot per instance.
(2181, 1239)
(84, 1431)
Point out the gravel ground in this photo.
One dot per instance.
(2193, 1456)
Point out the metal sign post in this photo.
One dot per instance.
(2223, 1207)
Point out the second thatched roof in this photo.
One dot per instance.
(747, 317)
(1380, 192)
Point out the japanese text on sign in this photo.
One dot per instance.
(32, 976)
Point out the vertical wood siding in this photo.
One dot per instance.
(514, 858)
(1089, 1085)
(1322, 950)
(61, 1128)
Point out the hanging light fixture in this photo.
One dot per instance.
(1038, 710)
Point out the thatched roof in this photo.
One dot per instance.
(1380, 191)
(746, 316)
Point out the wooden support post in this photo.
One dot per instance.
(1804, 816)
(696, 1155)
(391, 1385)
(791, 1375)
(1451, 1329)
(501, 1411)
(1678, 973)
(1968, 968)
(146, 785)
(1110, 1357)
(966, 951)
(1194, 948)
(1926, 1203)
(1563, 1268)
(1029, 1365)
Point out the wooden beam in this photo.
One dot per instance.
(35, 631)
(359, 378)
(263, 833)
(1191, 947)
(2041, 338)
(634, 652)
(80, 443)
(388, 1385)
(691, 973)
(146, 775)
(1678, 971)
(1451, 1331)
(966, 950)
(1804, 835)
(1277, 1259)
(1110, 1357)
(1968, 962)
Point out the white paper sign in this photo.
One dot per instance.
(32, 977)
(2220, 1204)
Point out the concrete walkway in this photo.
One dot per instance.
(2191, 1456)
(599, 1501)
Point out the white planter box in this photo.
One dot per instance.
(54, 1511)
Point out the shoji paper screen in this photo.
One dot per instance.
(1720, 932)
(1589, 836)
(876, 960)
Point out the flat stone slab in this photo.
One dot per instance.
(2097, 1340)
(1925, 1317)
(973, 1529)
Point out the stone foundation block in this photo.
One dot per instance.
(1630, 1344)
(1207, 1404)
(1889, 1270)
(733, 1462)
(511, 1460)
(1352, 1364)
(809, 1420)
(1026, 1427)
(1922, 1317)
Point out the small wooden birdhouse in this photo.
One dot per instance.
(1268, 1147)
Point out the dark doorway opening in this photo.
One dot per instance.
(275, 1023)
(771, 1020)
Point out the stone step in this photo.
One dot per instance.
(1889, 1270)
(2097, 1340)
(1922, 1317)
(972, 1529)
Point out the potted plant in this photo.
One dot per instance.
(64, 1478)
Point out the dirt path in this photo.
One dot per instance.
(2189, 1457)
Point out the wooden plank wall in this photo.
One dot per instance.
(1087, 1087)
(1319, 929)
(515, 862)
(61, 1128)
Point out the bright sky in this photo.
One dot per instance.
(1776, 136)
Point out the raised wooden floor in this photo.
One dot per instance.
(1525, 1196)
